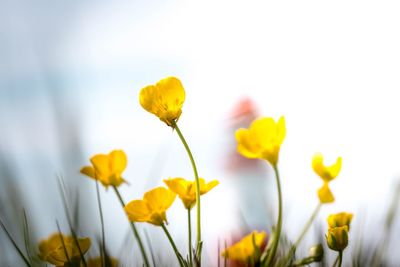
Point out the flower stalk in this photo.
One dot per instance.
(196, 176)
(277, 234)
(135, 232)
(171, 241)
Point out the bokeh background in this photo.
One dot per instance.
(70, 75)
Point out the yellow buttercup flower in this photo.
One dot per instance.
(245, 250)
(186, 190)
(164, 99)
(325, 194)
(98, 262)
(327, 173)
(340, 219)
(337, 238)
(152, 207)
(60, 249)
(107, 168)
(262, 140)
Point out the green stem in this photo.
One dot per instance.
(196, 176)
(340, 258)
(135, 232)
(303, 233)
(190, 238)
(103, 240)
(171, 241)
(308, 225)
(277, 235)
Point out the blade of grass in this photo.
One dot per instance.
(63, 243)
(15, 244)
(146, 236)
(62, 190)
(26, 235)
(103, 242)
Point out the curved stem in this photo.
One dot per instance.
(135, 232)
(277, 235)
(303, 233)
(196, 176)
(190, 238)
(171, 241)
(340, 258)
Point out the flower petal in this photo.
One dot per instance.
(118, 161)
(138, 211)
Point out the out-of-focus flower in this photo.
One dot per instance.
(337, 238)
(327, 173)
(99, 262)
(245, 250)
(325, 194)
(186, 190)
(340, 219)
(262, 140)
(107, 168)
(164, 99)
(60, 249)
(152, 207)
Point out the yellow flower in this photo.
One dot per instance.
(53, 249)
(246, 249)
(325, 194)
(337, 238)
(186, 190)
(98, 262)
(107, 168)
(327, 173)
(262, 140)
(164, 99)
(152, 208)
(340, 219)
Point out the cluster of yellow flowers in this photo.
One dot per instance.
(262, 140)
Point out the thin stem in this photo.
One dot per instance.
(308, 225)
(135, 232)
(303, 233)
(277, 234)
(171, 241)
(196, 176)
(103, 240)
(190, 238)
(340, 258)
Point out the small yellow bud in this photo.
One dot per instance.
(337, 238)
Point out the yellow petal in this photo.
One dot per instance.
(159, 199)
(210, 185)
(245, 249)
(327, 173)
(89, 171)
(246, 146)
(177, 185)
(138, 211)
(118, 161)
(101, 165)
(340, 219)
(325, 195)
